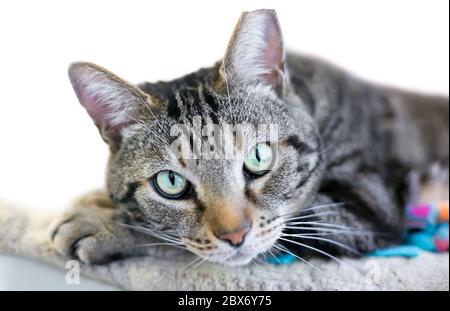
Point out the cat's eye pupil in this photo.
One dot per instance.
(172, 178)
(170, 184)
(259, 160)
(258, 157)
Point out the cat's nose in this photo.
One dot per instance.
(235, 237)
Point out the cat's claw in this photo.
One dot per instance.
(90, 231)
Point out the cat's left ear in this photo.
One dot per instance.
(255, 54)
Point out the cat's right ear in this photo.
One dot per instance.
(112, 103)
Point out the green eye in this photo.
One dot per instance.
(259, 160)
(170, 184)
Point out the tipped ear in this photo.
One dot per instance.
(255, 53)
(111, 102)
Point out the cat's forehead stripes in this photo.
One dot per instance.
(300, 146)
(189, 96)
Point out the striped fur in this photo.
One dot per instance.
(341, 139)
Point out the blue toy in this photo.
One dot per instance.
(281, 259)
(427, 229)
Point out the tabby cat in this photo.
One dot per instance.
(335, 185)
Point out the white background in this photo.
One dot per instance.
(50, 151)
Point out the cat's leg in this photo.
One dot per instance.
(364, 218)
(92, 231)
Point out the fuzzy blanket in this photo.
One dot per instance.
(26, 235)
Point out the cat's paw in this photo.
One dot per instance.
(91, 231)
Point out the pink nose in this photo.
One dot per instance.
(236, 237)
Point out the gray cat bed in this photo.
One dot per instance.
(26, 235)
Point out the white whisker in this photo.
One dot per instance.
(157, 231)
(199, 263)
(331, 233)
(159, 244)
(318, 229)
(311, 216)
(323, 224)
(314, 249)
(272, 254)
(349, 231)
(325, 240)
(137, 121)
(146, 104)
(198, 258)
(153, 233)
(257, 264)
(284, 249)
(313, 208)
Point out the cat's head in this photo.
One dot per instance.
(227, 210)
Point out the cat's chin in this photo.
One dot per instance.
(238, 259)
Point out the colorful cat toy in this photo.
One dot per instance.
(427, 229)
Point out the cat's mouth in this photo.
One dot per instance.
(261, 238)
(238, 256)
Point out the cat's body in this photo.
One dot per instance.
(341, 140)
(373, 138)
